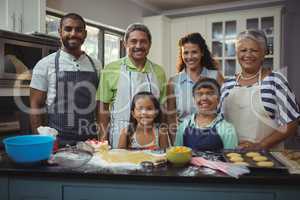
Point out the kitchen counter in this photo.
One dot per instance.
(89, 182)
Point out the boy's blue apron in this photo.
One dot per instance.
(206, 139)
(71, 125)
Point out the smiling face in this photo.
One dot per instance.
(144, 111)
(250, 55)
(72, 34)
(206, 100)
(191, 55)
(137, 45)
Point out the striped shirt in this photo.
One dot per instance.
(277, 97)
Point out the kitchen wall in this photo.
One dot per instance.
(117, 13)
(291, 40)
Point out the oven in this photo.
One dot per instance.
(18, 55)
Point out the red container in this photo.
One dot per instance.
(55, 145)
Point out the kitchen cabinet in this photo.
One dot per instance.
(223, 28)
(20, 189)
(3, 188)
(219, 31)
(150, 192)
(23, 16)
(146, 188)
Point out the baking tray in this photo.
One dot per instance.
(289, 158)
(252, 164)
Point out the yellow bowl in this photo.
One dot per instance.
(179, 155)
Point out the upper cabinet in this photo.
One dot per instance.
(23, 16)
(222, 42)
(220, 31)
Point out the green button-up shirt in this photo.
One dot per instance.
(109, 78)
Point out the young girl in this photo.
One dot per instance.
(143, 131)
(205, 130)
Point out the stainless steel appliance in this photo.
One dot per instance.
(18, 55)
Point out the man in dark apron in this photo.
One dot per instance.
(66, 82)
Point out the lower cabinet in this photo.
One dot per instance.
(4, 188)
(158, 193)
(77, 189)
(21, 189)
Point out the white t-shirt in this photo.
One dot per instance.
(44, 77)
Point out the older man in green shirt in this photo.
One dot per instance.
(122, 79)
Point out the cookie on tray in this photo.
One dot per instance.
(260, 158)
(233, 155)
(242, 163)
(236, 159)
(252, 154)
(265, 164)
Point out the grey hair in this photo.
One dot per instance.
(256, 35)
(137, 27)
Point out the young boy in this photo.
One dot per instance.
(206, 130)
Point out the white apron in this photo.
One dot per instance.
(130, 83)
(244, 108)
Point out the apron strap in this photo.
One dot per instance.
(218, 121)
(214, 126)
(149, 82)
(130, 85)
(56, 65)
(57, 56)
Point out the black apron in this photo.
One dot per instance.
(206, 139)
(73, 112)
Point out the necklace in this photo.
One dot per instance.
(249, 78)
(204, 122)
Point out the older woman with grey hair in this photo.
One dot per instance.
(258, 101)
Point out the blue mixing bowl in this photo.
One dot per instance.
(29, 148)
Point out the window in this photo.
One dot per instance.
(91, 43)
(102, 43)
(52, 25)
(111, 47)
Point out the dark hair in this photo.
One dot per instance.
(207, 83)
(132, 121)
(73, 16)
(137, 27)
(195, 38)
